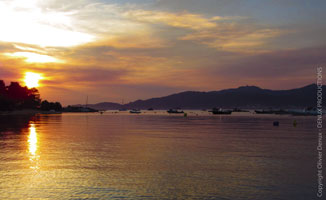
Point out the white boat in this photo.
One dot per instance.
(175, 111)
(135, 111)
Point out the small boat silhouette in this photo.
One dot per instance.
(220, 111)
(135, 111)
(175, 111)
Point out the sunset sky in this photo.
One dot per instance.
(118, 49)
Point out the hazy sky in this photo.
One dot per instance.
(118, 49)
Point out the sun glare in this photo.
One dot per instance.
(32, 140)
(32, 79)
(28, 23)
(33, 146)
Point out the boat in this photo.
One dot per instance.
(220, 111)
(79, 109)
(134, 111)
(175, 111)
(123, 106)
(150, 109)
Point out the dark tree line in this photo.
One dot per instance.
(45, 105)
(16, 97)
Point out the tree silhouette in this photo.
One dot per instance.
(47, 106)
(15, 97)
(2, 87)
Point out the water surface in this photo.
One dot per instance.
(157, 156)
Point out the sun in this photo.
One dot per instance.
(32, 79)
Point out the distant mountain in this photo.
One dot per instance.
(242, 97)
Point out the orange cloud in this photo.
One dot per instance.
(235, 39)
(34, 57)
(181, 20)
(222, 33)
(102, 49)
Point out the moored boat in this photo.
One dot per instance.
(135, 111)
(175, 111)
(220, 111)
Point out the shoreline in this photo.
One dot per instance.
(20, 112)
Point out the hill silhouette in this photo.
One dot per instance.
(241, 97)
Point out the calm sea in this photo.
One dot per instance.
(158, 156)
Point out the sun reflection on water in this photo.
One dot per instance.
(32, 146)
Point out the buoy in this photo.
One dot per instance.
(276, 123)
(295, 123)
(185, 115)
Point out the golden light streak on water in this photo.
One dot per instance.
(32, 146)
